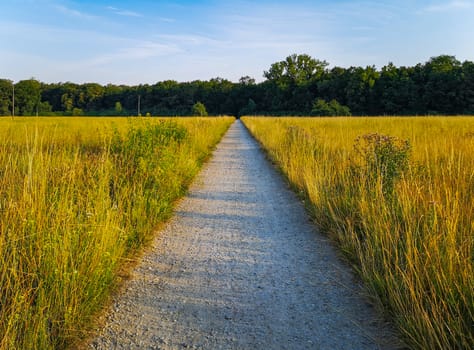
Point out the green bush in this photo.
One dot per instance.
(380, 160)
(333, 108)
(144, 159)
(199, 110)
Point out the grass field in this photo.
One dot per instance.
(397, 195)
(78, 197)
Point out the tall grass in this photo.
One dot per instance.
(397, 195)
(77, 198)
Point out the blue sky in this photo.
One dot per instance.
(145, 41)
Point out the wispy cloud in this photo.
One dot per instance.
(277, 29)
(188, 39)
(88, 40)
(121, 12)
(450, 6)
(74, 13)
(138, 51)
(129, 14)
(166, 19)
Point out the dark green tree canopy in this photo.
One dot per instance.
(28, 96)
(296, 70)
(443, 64)
(6, 96)
(442, 85)
(333, 108)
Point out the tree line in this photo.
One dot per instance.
(297, 85)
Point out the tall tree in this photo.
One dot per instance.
(468, 87)
(441, 85)
(443, 89)
(359, 89)
(295, 70)
(28, 96)
(6, 96)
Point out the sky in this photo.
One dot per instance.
(145, 41)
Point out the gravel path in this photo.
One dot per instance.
(241, 267)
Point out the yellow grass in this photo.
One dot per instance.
(78, 196)
(413, 245)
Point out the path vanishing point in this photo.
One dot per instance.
(240, 266)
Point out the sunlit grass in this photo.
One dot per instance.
(413, 245)
(78, 196)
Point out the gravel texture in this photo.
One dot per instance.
(240, 266)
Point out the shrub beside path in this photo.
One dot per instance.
(240, 266)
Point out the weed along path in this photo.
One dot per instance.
(241, 267)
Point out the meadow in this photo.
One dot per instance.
(396, 194)
(79, 197)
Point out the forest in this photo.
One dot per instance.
(297, 85)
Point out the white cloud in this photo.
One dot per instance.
(166, 19)
(188, 39)
(129, 13)
(450, 6)
(74, 13)
(121, 12)
(138, 51)
(103, 43)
